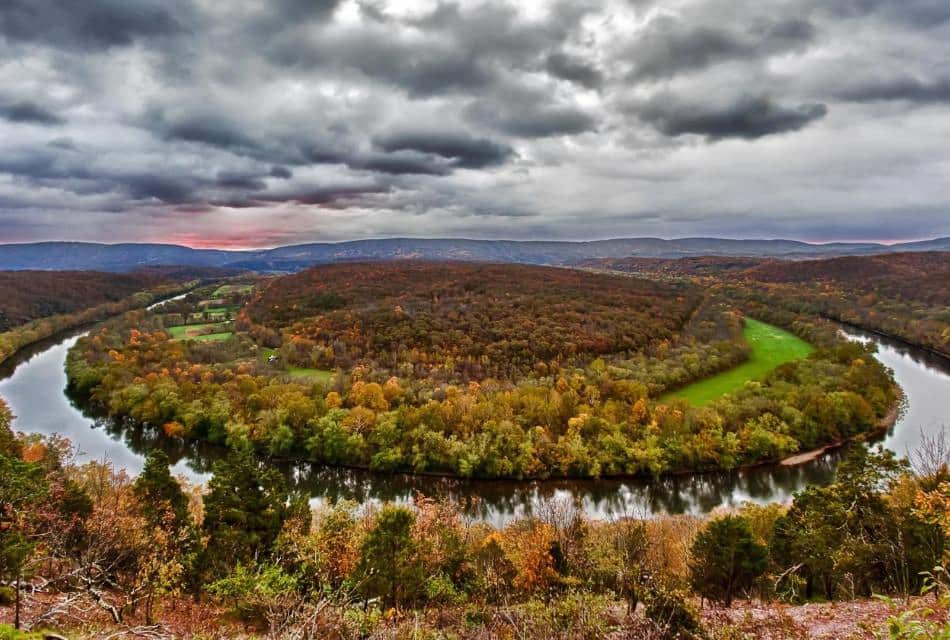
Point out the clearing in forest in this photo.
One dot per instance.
(209, 331)
(770, 347)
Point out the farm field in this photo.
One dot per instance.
(198, 332)
(227, 289)
(770, 346)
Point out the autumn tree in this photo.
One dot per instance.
(164, 506)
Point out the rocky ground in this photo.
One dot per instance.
(185, 619)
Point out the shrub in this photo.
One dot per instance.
(726, 559)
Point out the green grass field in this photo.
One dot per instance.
(770, 347)
(193, 332)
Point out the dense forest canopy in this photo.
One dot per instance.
(498, 320)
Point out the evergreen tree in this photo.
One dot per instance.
(21, 486)
(389, 566)
(159, 494)
(726, 559)
(244, 511)
(847, 538)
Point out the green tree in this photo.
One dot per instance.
(159, 494)
(726, 559)
(244, 512)
(21, 486)
(849, 538)
(389, 566)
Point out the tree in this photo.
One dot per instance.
(162, 503)
(726, 559)
(21, 485)
(159, 494)
(851, 537)
(244, 511)
(389, 566)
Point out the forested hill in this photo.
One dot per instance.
(902, 294)
(913, 276)
(30, 295)
(125, 257)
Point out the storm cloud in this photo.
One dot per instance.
(31, 112)
(252, 123)
(747, 117)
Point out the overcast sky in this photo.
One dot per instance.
(252, 124)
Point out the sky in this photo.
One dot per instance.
(254, 124)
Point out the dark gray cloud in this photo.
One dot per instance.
(530, 120)
(239, 180)
(204, 127)
(461, 149)
(331, 119)
(27, 111)
(93, 24)
(403, 162)
(567, 67)
(168, 190)
(748, 117)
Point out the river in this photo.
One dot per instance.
(33, 384)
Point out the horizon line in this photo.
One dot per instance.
(232, 249)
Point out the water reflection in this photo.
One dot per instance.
(34, 382)
(500, 501)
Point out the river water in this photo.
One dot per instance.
(33, 384)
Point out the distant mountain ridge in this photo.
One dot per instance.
(129, 256)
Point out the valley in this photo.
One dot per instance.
(446, 394)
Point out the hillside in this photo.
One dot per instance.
(923, 277)
(129, 256)
(901, 294)
(29, 295)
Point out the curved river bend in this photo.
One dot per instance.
(33, 384)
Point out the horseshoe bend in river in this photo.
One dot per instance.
(33, 383)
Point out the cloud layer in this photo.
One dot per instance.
(254, 123)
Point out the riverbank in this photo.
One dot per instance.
(884, 425)
(890, 336)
